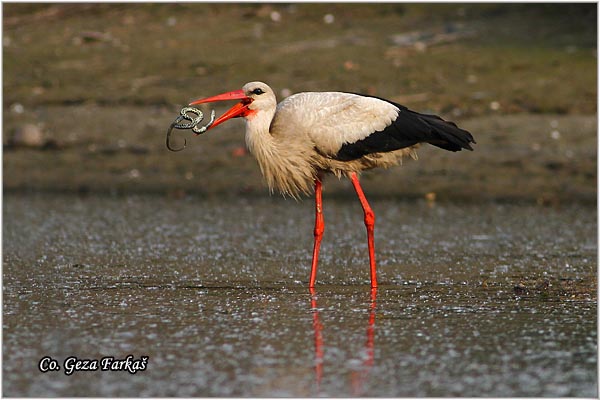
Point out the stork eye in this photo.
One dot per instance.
(258, 91)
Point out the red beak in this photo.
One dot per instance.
(239, 110)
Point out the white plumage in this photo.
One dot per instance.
(330, 119)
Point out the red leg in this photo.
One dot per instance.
(319, 229)
(370, 224)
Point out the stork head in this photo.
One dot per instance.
(255, 97)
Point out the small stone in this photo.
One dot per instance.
(569, 154)
(328, 18)
(275, 16)
(17, 108)
(134, 174)
(28, 135)
(351, 65)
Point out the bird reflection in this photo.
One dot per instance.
(358, 378)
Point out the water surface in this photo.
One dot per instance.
(475, 300)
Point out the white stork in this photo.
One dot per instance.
(308, 134)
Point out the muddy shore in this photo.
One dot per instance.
(101, 101)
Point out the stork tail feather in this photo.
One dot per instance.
(444, 134)
(408, 129)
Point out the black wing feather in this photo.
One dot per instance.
(408, 129)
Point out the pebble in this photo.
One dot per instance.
(171, 21)
(134, 173)
(275, 16)
(28, 135)
(17, 108)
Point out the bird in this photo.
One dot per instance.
(309, 135)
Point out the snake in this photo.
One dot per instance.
(193, 123)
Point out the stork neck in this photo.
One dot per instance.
(257, 131)
(285, 165)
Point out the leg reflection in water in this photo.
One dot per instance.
(317, 327)
(358, 378)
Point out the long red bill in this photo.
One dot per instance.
(239, 110)
(235, 95)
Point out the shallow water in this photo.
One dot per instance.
(214, 293)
